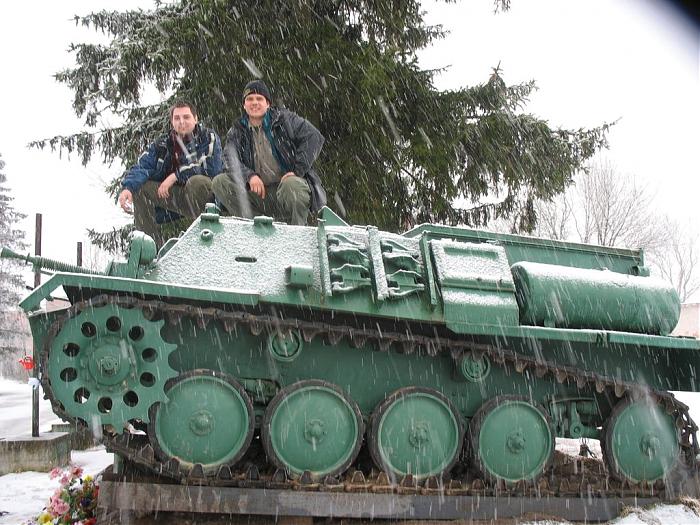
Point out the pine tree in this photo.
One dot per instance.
(11, 282)
(398, 151)
(12, 336)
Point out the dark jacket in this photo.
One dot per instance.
(203, 158)
(295, 142)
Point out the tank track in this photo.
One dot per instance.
(581, 477)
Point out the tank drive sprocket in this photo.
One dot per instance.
(108, 365)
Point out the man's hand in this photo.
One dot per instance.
(164, 188)
(126, 201)
(287, 175)
(257, 186)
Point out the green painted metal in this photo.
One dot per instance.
(432, 282)
(365, 374)
(312, 426)
(660, 362)
(109, 365)
(300, 276)
(207, 419)
(476, 284)
(361, 271)
(641, 442)
(142, 252)
(415, 431)
(331, 218)
(578, 298)
(575, 417)
(243, 297)
(511, 440)
(525, 248)
(285, 346)
(475, 369)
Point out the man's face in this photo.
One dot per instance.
(183, 121)
(255, 106)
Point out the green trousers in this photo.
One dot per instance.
(287, 201)
(187, 200)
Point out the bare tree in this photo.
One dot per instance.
(609, 208)
(678, 259)
(615, 209)
(555, 217)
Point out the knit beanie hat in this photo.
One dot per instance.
(258, 87)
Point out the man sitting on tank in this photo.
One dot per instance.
(268, 156)
(175, 173)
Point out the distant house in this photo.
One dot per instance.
(689, 323)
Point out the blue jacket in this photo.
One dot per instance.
(203, 158)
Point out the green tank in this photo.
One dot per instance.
(438, 353)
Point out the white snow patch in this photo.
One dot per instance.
(16, 410)
(23, 495)
(660, 515)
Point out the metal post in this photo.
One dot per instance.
(37, 282)
(79, 254)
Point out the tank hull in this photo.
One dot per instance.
(312, 353)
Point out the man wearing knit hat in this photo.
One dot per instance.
(269, 155)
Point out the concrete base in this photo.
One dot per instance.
(80, 437)
(39, 454)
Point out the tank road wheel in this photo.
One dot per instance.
(108, 365)
(312, 426)
(208, 419)
(511, 440)
(641, 442)
(415, 431)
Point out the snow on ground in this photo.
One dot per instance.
(16, 413)
(662, 514)
(23, 495)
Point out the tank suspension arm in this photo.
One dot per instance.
(42, 263)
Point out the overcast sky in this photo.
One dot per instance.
(594, 61)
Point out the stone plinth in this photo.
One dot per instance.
(39, 454)
(80, 437)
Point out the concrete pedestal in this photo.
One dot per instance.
(80, 437)
(39, 454)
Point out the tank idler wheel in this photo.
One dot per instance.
(208, 420)
(415, 431)
(511, 439)
(640, 442)
(312, 426)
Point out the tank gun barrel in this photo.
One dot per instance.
(43, 263)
